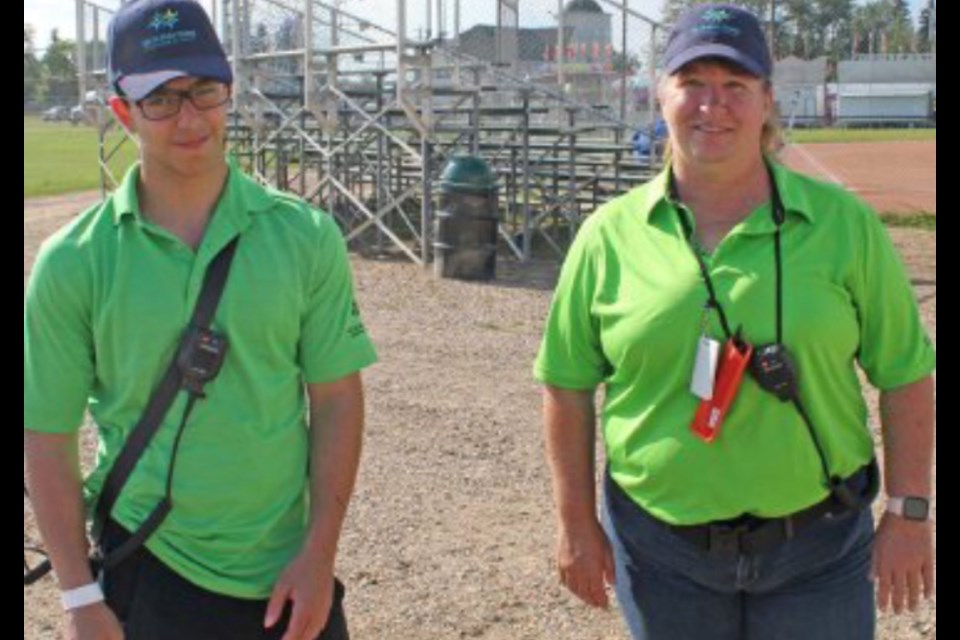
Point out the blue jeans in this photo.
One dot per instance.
(816, 586)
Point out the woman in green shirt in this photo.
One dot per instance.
(755, 525)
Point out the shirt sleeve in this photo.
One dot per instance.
(58, 353)
(895, 349)
(571, 354)
(334, 342)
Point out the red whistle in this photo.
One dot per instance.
(711, 413)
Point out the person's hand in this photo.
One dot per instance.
(308, 585)
(903, 563)
(585, 562)
(96, 622)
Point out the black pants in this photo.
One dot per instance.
(154, 603)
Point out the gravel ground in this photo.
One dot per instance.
(451, 531)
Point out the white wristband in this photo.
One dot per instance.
(81, 597)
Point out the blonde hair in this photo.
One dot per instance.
(772, 139)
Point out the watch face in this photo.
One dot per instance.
(916, 508)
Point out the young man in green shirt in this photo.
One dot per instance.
(268, 459)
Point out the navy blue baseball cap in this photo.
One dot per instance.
(719, 31)
(150, 42)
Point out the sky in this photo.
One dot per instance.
(46, 15)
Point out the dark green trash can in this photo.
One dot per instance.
(466, 224)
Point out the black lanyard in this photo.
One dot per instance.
(837, 486)
(842, 490)
(779, 215)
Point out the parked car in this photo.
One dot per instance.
(56, 114)
(78, 115)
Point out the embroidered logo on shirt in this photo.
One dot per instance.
(355, 329)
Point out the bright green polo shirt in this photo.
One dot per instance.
(108, 299)
(627, 315)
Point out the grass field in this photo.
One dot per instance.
(923, 220)
(813, 136)
(59, 157)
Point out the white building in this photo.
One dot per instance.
(800, 89)
(887, 89)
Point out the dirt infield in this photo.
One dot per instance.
(894, 177)
(451, 532)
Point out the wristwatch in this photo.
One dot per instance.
(914, 508)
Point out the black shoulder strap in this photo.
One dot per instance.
(164, 395)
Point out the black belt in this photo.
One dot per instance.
(751, 535)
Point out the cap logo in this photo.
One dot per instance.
(163, 25)
(716, 15)
(717, 22)
(166, 20)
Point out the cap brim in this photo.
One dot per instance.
(715, 51)
(138, 86)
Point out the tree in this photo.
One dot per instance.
(803, 33)
(927, 31)
(260, 41)
(870, 24)
(673, 8)
(901, 36)
(619, 61)
(883, 26)
(832, 28)
(834, 23)
(34, 80)
(61, 70)
(95, 52)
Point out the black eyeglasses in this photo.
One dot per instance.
(166, 103)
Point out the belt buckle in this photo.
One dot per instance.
(727, 539)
